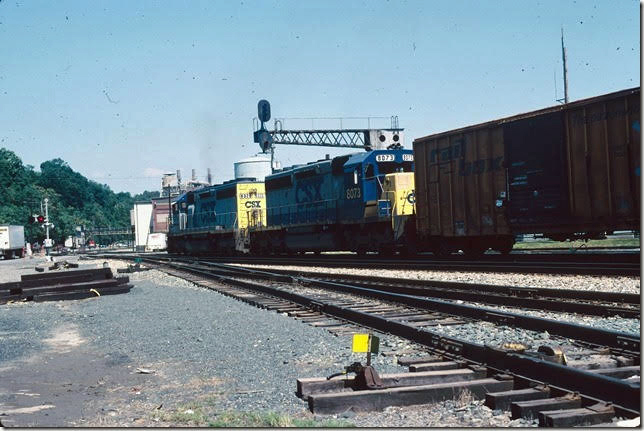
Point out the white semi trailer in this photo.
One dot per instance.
(12, 241)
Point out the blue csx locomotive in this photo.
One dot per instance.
(358, 202)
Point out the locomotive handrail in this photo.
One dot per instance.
(295, 212)
(217, 222)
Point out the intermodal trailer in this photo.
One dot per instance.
(12, 241)
(569, 171)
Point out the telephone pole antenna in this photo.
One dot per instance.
(565, 67)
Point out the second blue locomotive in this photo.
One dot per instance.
(353, 202)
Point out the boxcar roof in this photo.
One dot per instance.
(571, 105)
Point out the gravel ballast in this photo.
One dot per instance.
(620, 284)
(613, 323)
(206, 353)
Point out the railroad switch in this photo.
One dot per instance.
(515, 347)
(547, 353)
(366, 375)
(552, 354)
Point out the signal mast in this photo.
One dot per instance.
(368, 139)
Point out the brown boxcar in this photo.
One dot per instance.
(567, 171)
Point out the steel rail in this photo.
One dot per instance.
(350, 261)
(619, 392)
(535, 298)
(518, 291)
(615, 339)
(507, 300)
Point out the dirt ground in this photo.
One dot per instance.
(66, 384)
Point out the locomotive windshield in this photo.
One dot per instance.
(391, 167)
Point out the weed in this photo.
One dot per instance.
(607, 243)
(190, 414)
(233, 419)
(464, 398)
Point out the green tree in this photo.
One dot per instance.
(73, 199)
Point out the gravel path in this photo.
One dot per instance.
(581, 282)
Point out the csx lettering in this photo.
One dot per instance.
(353, 193)
(253, 204)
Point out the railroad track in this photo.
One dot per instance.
(343, 307)
(624, 264)
(563, 300)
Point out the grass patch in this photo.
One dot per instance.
(233, 419)
(189, 414)
(601, 243)
(201, 414)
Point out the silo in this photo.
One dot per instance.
(257, 166)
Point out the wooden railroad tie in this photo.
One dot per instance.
(64, 285)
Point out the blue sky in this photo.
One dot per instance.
(125, 90)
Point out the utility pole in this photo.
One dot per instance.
(565, 68)
(169, 209)
(48, 242)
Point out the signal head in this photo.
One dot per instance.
(264, 110)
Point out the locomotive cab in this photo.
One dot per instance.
(379, 193)
(371, 186)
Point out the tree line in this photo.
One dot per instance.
(73, 199)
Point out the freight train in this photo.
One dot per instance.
(567, 172)
(353, 202)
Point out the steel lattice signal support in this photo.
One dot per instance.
(330, 138)
(368, 139)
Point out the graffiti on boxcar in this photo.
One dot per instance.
(444, 155)
(602, 116)
(480, 166)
